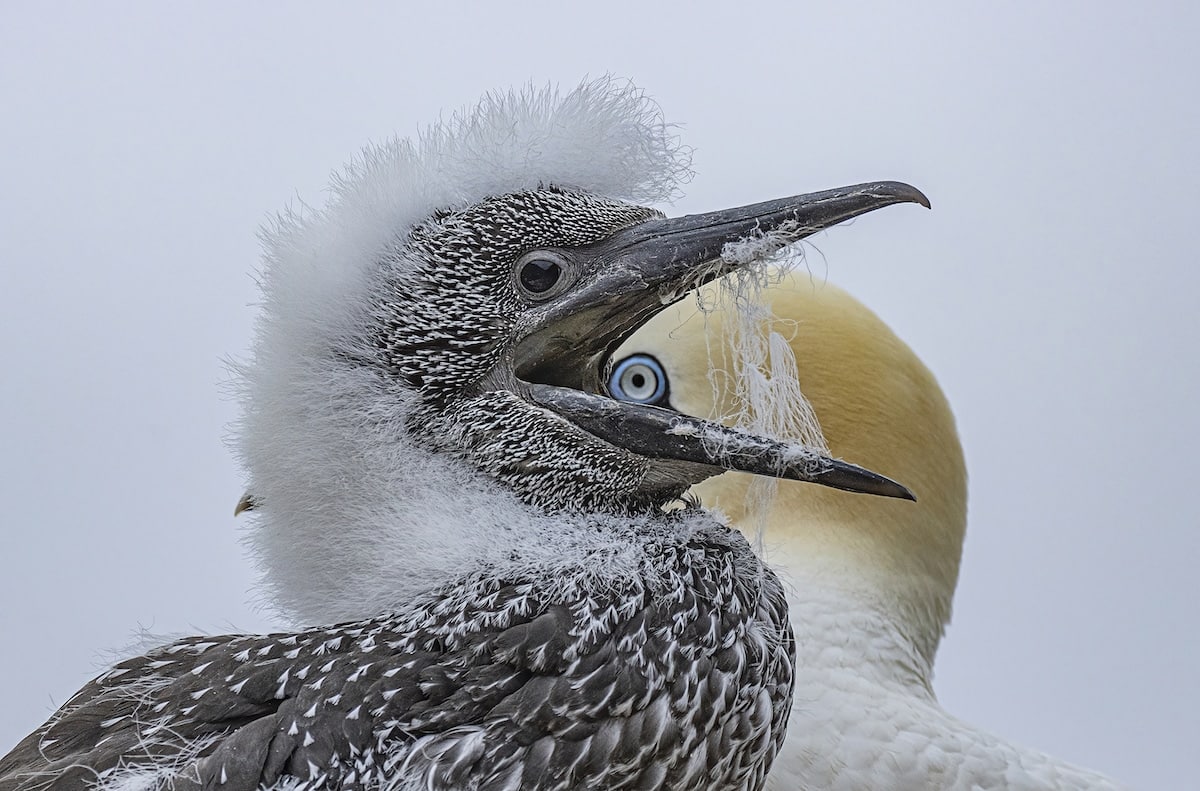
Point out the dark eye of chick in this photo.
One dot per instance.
(542, 274)
(539, 275)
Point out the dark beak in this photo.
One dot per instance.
(636, 272)
(659, 433)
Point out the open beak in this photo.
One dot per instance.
(633, 274)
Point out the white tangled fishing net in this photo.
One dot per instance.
(752, 368)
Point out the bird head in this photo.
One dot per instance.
(501, 318)
(878, 404)
(458, 301)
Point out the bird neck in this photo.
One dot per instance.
(887, 618)
(864, 714)
(850, 615)
(872, 559)
(356, 512)
(865, 642)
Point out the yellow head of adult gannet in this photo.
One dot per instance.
(870, 580)
(876, 403)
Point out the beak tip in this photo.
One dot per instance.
(906, 193)
(886, 487)
(852, 478)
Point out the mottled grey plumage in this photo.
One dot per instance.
(432, 456)
(675, 673)
(676, 676)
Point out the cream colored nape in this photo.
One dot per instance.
(879, 407)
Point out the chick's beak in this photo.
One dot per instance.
(635, 273)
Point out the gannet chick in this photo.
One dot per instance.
(869, 581)
(433, 458)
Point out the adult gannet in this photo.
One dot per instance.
(433, 459)
(869, 581)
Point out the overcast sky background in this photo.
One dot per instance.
(1053, 290)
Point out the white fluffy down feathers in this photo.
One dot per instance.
(341, 501)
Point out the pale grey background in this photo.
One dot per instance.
(1052, 289)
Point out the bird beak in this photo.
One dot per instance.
(636, 272)
(659, 433)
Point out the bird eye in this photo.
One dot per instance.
(640, 379)
(541, 274)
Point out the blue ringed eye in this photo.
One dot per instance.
(638, 379)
